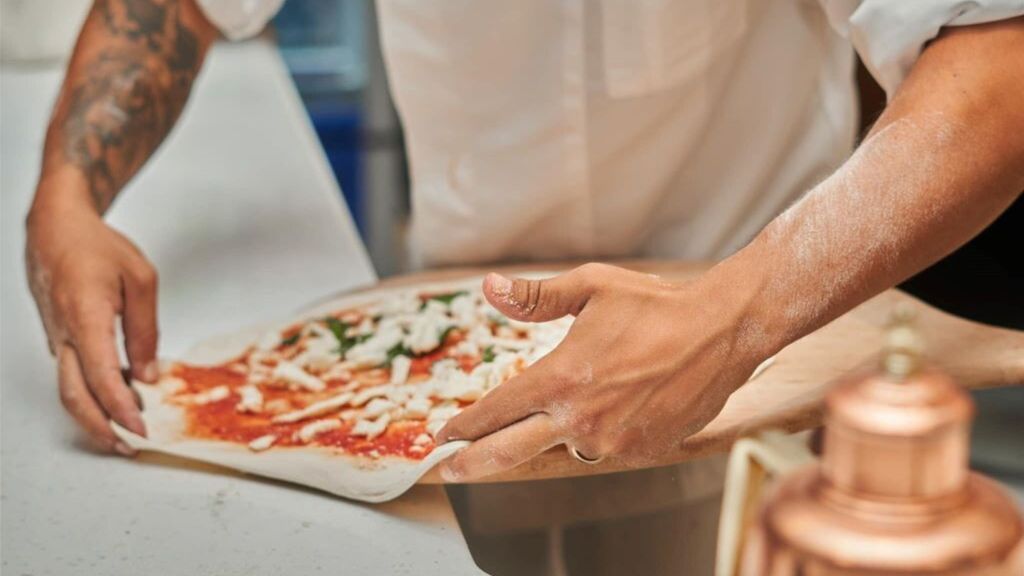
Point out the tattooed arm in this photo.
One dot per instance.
(128, 80)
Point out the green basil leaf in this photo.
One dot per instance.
(345, 343)
(488, 355)
(338, 328)
(291, 340)
(396, 351)
(445, 298)
(444, 335)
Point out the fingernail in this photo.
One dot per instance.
(449, 475)
(500, 285)
(124, 449)
(443, 436)
(135, 424)
(150, 373)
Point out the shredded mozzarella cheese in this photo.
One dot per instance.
(215, 394)
(444, 412)
(262, 443)
(400, 366)
(269, 341)
(251, 399)
(371, 428)
(316, 428)
(416, 408)
(377, 407)
(434, 426)
(293, 375)
(374, 351)
(315, 409)
(364, 395)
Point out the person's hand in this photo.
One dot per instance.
(646, 364)
(83, 275)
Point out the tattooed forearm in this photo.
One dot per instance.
(129, 94)
(158, 24)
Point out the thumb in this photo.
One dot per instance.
(530, 300)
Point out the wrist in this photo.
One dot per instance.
(745, 281)
(60, 195)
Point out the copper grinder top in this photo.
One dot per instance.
(893, 493)
(900, 432)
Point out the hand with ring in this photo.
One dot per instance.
(646, 364)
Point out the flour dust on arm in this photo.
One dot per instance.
(942, 163)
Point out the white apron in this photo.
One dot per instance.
(544, 129)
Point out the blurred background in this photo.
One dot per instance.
(330, 48)
(331, 52)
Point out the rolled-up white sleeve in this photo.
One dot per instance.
(239, 19)
(890, 34)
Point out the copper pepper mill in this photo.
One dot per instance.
(893, 493)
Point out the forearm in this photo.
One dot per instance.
(942, 163)
(126, 84)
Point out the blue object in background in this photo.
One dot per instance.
(339, 127)
(323, 45)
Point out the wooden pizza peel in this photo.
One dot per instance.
(788, 395)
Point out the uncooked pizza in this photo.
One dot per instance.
(349, 398)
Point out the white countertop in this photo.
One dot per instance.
(244, 221)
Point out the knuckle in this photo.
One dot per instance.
(79, 305)
(143, 273)
(87, 314)
(69, 399)
(589, 268)
(501, 458)
(586, 423)
(563, 378)
(593, 273)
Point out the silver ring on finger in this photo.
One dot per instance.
(576, 454)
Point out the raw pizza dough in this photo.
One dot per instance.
(325, 468)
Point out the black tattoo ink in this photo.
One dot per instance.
(185, 56)
(136, 19)
(113, 118)
(130, 96)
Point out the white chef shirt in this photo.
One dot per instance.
(668, 128)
